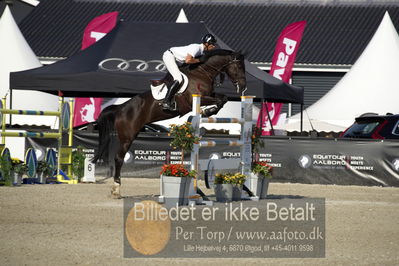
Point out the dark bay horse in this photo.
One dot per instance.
(128, 118)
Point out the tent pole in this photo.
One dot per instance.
(261, 117)
(10, 116)
(301, 117)
(270, 121)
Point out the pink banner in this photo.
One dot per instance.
(281, 68)
(98, 28)
(87, 110)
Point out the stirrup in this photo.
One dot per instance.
(172, 106)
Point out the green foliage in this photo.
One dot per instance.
(183, 137)
(43, 167)
(263, 169)
(5, 168)
(18, 166)
(78, 162)
(257, 143)
(230, 178)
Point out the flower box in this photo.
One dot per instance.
(237, 191)
(260, 178)
(224, 192)
(259, 185)
(16, 178)
(228, 187)
(175, 190)
(175, 184)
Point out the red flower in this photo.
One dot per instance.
(175, 170)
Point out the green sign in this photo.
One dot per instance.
(51, 160)
(31, 162)
(66, 115)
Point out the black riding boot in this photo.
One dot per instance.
(167, 102)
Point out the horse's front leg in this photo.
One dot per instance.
(215, 104)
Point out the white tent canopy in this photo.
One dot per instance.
(310, 125)
(371, 85)
(16, 55)
(182, 18)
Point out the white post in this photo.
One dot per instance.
(246, 134)
(246, 137)
(196, 118)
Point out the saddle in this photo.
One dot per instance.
(159, 86)
(167, 80)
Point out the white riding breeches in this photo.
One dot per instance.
(171, 65)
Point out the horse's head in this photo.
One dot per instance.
(229, 62)
(235, 70)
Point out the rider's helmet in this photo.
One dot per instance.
(209, 38)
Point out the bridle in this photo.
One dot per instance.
(234, 61)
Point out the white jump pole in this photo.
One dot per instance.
(244, 142)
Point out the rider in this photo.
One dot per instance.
(176, 56)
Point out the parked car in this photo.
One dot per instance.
(374, 126)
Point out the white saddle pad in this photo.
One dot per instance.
(159, 92)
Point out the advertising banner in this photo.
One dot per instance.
(98, 28)
(295, 160)
(87, 110)
(329, 161)
(283, 60)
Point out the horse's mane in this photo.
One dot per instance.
(206, 56)
(217, 52)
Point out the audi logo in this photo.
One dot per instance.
(132, 65)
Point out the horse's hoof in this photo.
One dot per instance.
(115, 196)
(210, 111)
(115, 191)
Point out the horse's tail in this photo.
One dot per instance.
(105, 125)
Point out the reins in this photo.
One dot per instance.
(218, 71)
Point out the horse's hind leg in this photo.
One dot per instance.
(119, 159)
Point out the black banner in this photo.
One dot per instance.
(297, 160)
(333, 161)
